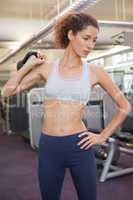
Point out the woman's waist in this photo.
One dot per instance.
(62, 129)
(60, 140)
(62, 119)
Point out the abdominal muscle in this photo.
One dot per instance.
(62, 118)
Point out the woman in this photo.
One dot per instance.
(65, 142)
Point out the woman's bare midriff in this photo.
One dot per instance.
(62, 118)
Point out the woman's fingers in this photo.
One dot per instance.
(41, 56)
(35, 60)
(90, 140)
(85, 144)
(89, 146)
(40, 60)
(84, 133)
(83, 140)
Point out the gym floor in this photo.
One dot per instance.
(18, 175)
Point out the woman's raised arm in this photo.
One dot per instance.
(28, 75)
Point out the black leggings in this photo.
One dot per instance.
(56, 153)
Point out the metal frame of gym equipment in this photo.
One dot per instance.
(116, 171)
(111, 145)
(35, 98)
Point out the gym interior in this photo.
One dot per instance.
(26, 26)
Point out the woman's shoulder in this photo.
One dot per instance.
(97, 69)
(96, 72)
(100, 74)
(47, 66)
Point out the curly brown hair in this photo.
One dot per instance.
(73, 21)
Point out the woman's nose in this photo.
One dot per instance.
(91, 45)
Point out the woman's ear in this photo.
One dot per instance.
(70, 35)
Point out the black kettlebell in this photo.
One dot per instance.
(26, 57)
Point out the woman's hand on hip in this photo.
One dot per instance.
(90, 139)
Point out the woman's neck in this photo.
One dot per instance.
(70, 59)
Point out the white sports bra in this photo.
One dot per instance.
(74, 90)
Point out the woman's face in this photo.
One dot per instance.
(84, 41)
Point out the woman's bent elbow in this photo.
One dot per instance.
(6, 92)
(127, 108)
